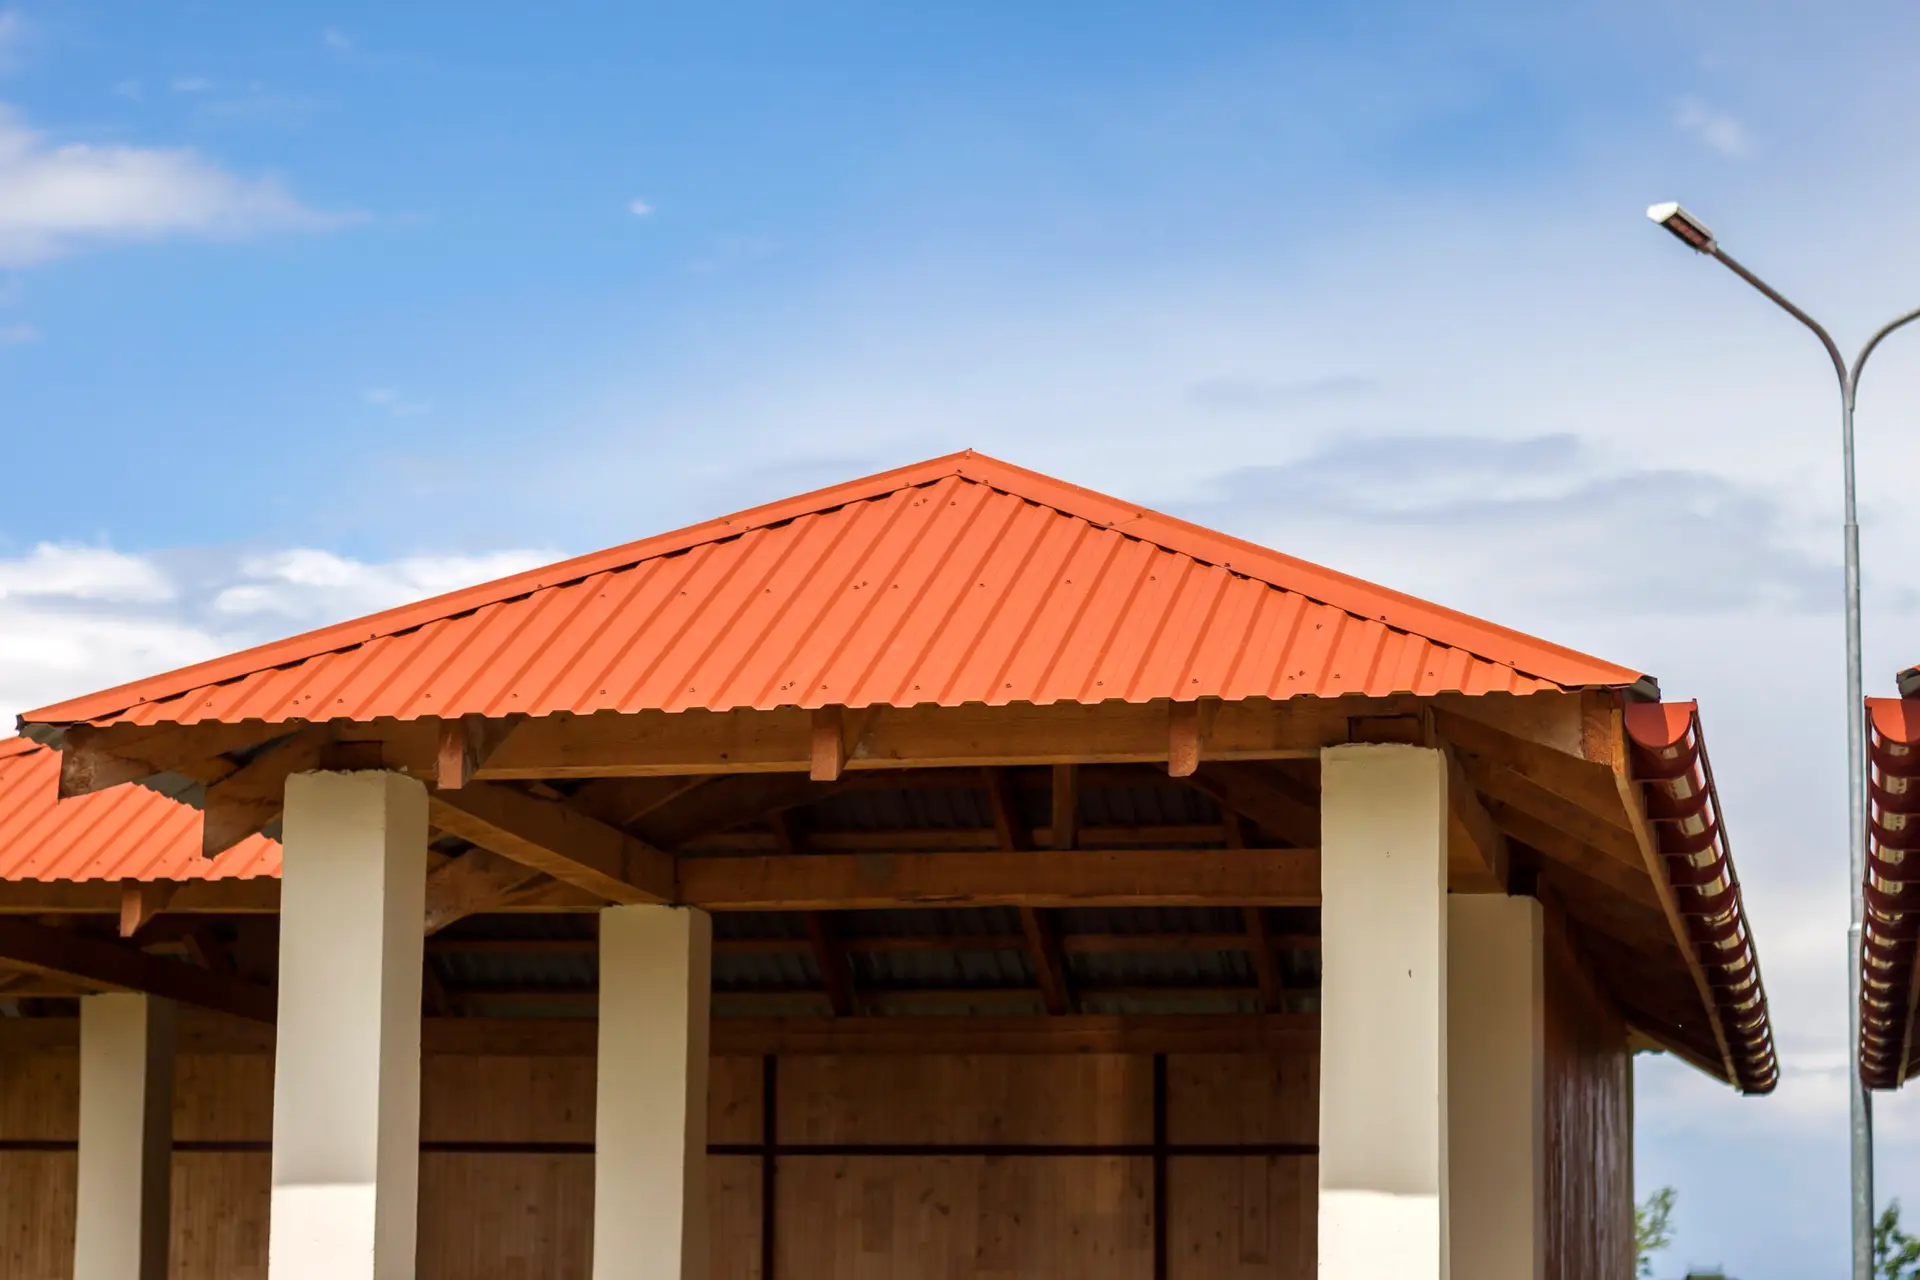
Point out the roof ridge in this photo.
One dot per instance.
(1355, 596)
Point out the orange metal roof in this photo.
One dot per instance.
(962, 579)
(123, 833)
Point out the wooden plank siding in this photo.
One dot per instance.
(1589, 1098)
(1083, 1206)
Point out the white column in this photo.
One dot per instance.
(126, 1138)
(346, 1079)
(1496, 1118)
(1383, 1014)
(650, 1117)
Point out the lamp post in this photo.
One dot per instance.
(1694, 234)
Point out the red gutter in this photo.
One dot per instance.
(1669, 761)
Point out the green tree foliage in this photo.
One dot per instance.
(1652, 1228)
(1896, 1255)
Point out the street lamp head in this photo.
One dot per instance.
(1687, 228)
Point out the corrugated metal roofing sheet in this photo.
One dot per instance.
(122, 833)
(959, 580)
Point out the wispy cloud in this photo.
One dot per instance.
(130, 89)
(56, 199)
(14, 335)
(74, 618)
(191, 84)
(391, 400)
(1717, 129)
(639, 208)
(337, 40)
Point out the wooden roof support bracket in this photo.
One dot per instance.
(141, 901)
(1183, 739)
(249, 800)
(465, 744)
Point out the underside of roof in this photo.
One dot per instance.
(959, 580)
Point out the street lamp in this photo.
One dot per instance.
(1694, 234)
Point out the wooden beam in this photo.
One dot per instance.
(835, 975)
(621, 802)
(141, 901)
(464, 745)
(1114, 877)
(726, 803)
(477, 881)
(781, 740)
(1586, 785)
(111, 964)
(1273, 801)
(1563, 848)
(1009, 831)
(828, 751)
(1183, 739)
(1476, 849)
(1049, 964)
(1065, 832)
(554, 838)
(1266, 968)
(94, 759)
(249, 800)
(102, 897)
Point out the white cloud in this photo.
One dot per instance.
(58, 198)
(91, 574)
(1717, 129)
(14, 335)
(639, 208)
(337, 40)
(74, 619)
(130, 89)
(191, 84)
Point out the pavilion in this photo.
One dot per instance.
(952, 872)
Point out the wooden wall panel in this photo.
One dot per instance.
(513, 1214)
(1589, 1085)
(955, 1217)
(1240, 1218)
(1079, 1099)
(220, 1214)
(1250, 1097)
(36, 1214)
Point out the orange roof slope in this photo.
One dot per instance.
(958, 580)
(123, 833)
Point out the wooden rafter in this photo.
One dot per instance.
(250, 799)
(1266, 966)
(479, 880)
(97, 962)
(836, 975)
(555, 838)
(1043, 948)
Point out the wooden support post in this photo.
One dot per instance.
(1383, 1014)
(346, 1082)
(141, 901)
(650, 1120)
(122, 1211)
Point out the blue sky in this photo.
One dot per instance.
(306, 309)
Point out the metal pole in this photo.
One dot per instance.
(1859, 1101)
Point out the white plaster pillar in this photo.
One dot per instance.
(650, 1118)
(1383, 1014)
(346, 1077)
(123, 1208)
(1496, 1073)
